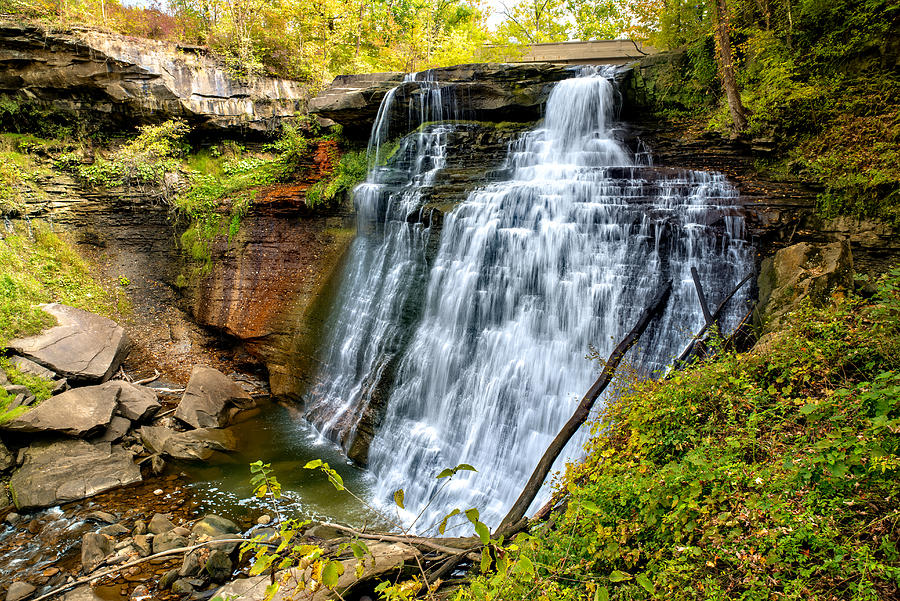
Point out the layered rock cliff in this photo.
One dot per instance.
(125, 81)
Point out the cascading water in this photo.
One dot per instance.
(530, 273)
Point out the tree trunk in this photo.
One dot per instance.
(725, 58)
(517, 512)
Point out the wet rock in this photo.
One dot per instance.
(157, 464)
(264, 520)
(13, 518)
(124, 544)
(193, 445)
(214, 525)
(114, 530)
(26, 366)
(84, 347)
(140, 527)
(228, 547)
(137, 403)
(82, 593)
(78, 412)
(181, 531)
(218, 566)
(160, 523)
(100, 516)
(208, 394)
(167, 541)
(168, 579)
(19, 590)
(94, 549)
(140, 593)
(191, 565)
(182, 587)
(57, 472)
(117, 428)
(143, 544)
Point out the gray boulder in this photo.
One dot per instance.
(218, 566)
(137, 403)
(78, 412)
(26, 366)
(94, 549)
(83, 347)
(208, 394)
(6, 458)
(117, 428)
(19, 590)
(167, 541)
(193, 445)
(159, 523)
(82, 593)
(57, 472)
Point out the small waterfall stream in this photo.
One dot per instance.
(481, 354)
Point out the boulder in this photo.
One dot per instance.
(159, 523)
(193, 445)
(190, 566)
(137, 403)
(82, 593)
(117, 428)
(94, 549)
(19, 590)
(68, 470)
(83, 347)
(213, 526)
(218, 566)
(799, 272)
(208, 394)
(386, 557)
(78, 412)
(143, 545)
(167, 541)
(31, 368)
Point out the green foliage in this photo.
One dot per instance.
(766, 474)
(38, 266)
(351, 170)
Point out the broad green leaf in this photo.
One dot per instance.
(331, 573)
(590, 506)
(259, 566)
(524, 567)
(483, 533)
(444, 473)
(443, 526)
(465, 467)
(473, 515)
(313, 464)
(645, 582)
(398, 498)
(485, 560)
(601, 594)
(618, 576)
(271, 590)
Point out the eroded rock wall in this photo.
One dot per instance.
(126, 81)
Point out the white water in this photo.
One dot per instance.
(530, 273)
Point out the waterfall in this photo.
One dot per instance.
(486, 346)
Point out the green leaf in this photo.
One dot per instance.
(444, 473)
(483, 533)
(398, 498)
(259, 566)
(590, 506)
(464, 467)
(443, 525)
(331, 573)
(485, 560)
(618, 576)
(524, 567)
(313, 464)
(473, 515)
(646, 583)
(271, 590)
(601, 594)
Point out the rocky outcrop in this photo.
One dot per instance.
(193, 445)
(133, 80)
(482, 92)
(208, 395)
(59, 472)
(802, 271)
(83, 346)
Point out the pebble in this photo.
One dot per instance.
(100, 516)
(264, 520)
(12, 518)
(158, 491)
(140, 593)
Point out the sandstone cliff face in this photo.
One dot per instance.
(128, 81)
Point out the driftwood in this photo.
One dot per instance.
(516, 514)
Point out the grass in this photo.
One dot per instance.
(772, 474)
